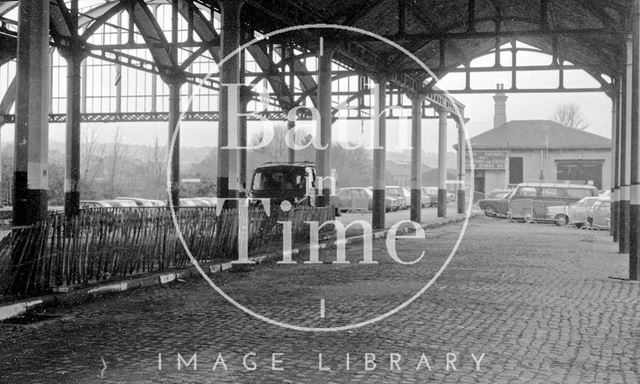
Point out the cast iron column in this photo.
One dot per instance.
(618, 162)
(614, 164)
(72, 141)
(245, 99)
(74, 54)
(228, 158)
(31, 131)
(32, 113)
(462, 171)
(634, 212)
(442, 163)
(379, 152)
(416, 158)
(174, 83)
(323, 156)
(625, 204)
(289, 52)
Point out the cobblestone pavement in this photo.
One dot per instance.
(536, 300)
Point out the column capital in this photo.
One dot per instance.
(379, 77)
(73, 48)
(172, 75)
(415, 96)
(442, 111)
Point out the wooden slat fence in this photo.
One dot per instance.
(113, 243)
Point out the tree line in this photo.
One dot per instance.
(109, 167)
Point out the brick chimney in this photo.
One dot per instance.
(500, 115)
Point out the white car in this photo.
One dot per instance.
(574, 214)
(400, 193)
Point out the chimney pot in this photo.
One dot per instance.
(500, 115)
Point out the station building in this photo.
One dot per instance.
(536, 150)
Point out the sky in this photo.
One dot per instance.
(595, 107)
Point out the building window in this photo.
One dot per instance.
(516, 170)
(581, 171)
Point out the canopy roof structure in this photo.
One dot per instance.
(444, 34)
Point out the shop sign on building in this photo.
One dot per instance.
(488, 160)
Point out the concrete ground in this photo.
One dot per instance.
(538, 301)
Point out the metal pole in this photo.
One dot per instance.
(174, 121)
(245, 98)
(228, 159)
(31, 131)
(32, 110)
(118, 66)
(442, 163)
(291, 153)
(618, 175)
(379, 152)
(462, 171)
(74, 57)
(416, 158)
(72, 142)
(634, 212)
(623, 245)
(323, 156)
(614, 165)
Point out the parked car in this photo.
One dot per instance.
(196, 202)
(432, 193)
(574, 214)
(600, 214)
(212, 201)
(94, 204)
(360, 198)
(116, 203)
(541, 196)
(498, 193)
(139, 201)
(400, 193)
(425, 200)
(407, 196)
(294, 182)
(451, 197)
(393, 203)
(186, 202)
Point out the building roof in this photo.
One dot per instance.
(538, 134)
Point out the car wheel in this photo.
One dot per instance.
(491, 211)
(561, 220)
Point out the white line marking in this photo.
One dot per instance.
(104, 363)
(321, 45)
(322, 308)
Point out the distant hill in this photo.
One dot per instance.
(189, 155)
(429, 159)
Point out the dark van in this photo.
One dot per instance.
(295, 182)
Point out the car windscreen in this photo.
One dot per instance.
(579, 193)
(394, 192)
(526, 192)
(278, 179)
(589, 202)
